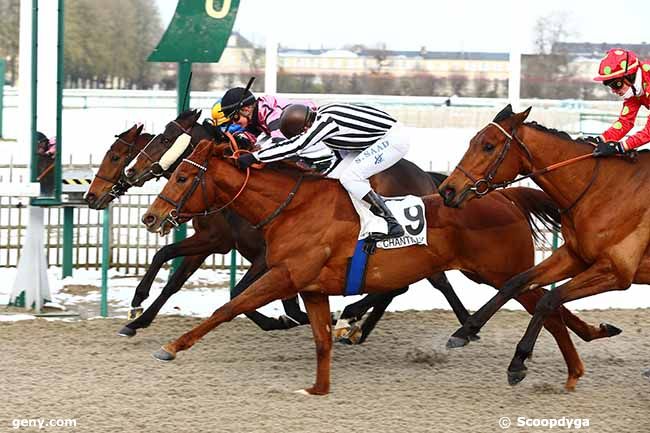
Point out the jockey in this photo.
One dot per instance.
(628, 78)
(366, 139)
(259, 116)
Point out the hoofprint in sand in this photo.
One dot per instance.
(206, 290)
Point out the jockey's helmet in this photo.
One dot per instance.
(617, 63)
(295, 119)
(217, 114)
(231, 99)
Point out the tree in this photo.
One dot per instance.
(548, 74)
(458, 83)
(9, 35)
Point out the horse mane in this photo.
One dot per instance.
(560, 134)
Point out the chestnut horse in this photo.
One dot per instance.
(220, 232)
(311, 228)
(605, 218)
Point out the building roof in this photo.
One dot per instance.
(597, 50)
(365, 52)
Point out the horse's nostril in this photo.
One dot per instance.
(130, 172)
(90, 197)
(448, 193)
(148, 220)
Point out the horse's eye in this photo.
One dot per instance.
(181, 179)
(488, 147)
(115, 158)
(165, 140)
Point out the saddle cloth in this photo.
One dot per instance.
(409, 212)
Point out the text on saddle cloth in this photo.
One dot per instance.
(409, 212)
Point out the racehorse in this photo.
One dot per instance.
(310, 228)
(214, 234)
(109, 182)
(605, 217)
(220, 232)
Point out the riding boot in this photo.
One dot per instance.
(379, 208)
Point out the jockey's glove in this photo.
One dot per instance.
(245, 160)
(606, 148)
(594, 139)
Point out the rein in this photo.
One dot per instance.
(484, 185)
(176, 213)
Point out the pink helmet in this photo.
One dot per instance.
(617, 63)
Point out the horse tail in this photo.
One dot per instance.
(542, 214)
(437, 178)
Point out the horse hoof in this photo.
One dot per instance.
(456, 342)
(163, 355)
(610, 330)
(474, 337)
(345, 340)
(646, 374)
(514, 377)
(302, 392)
(134, 313)
(126, 332)
(288, 322)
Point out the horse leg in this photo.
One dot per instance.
(192, 246)
(346, 333)
(188, 266)
(265, 323)
(318, 309)
(584, 330)
(597, 279)
(377, 311)
(554, 324)
(440, 282)
(295, 316)
(558, 266)
(274, 284)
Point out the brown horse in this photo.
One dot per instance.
(109, 182)
(222, 231)
(310, 228)
(605, 218)
(219, 233)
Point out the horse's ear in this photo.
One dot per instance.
(197, 114)
(139, 128)
(504, 114)
(519, 118)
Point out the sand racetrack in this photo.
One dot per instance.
(240, 379)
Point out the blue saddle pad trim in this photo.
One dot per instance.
(356, 274)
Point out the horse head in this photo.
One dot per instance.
(109, 182)
(489, 161)
(188, 193)
(157, 158)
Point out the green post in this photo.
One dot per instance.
(182, 104)
(233, 269)
(68, 217)
(2, 90)
(106, 258)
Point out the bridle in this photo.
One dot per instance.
(156, 170)
(120, 185)
(175, 216)
(485, 184)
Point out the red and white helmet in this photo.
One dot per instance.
(617, 63)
